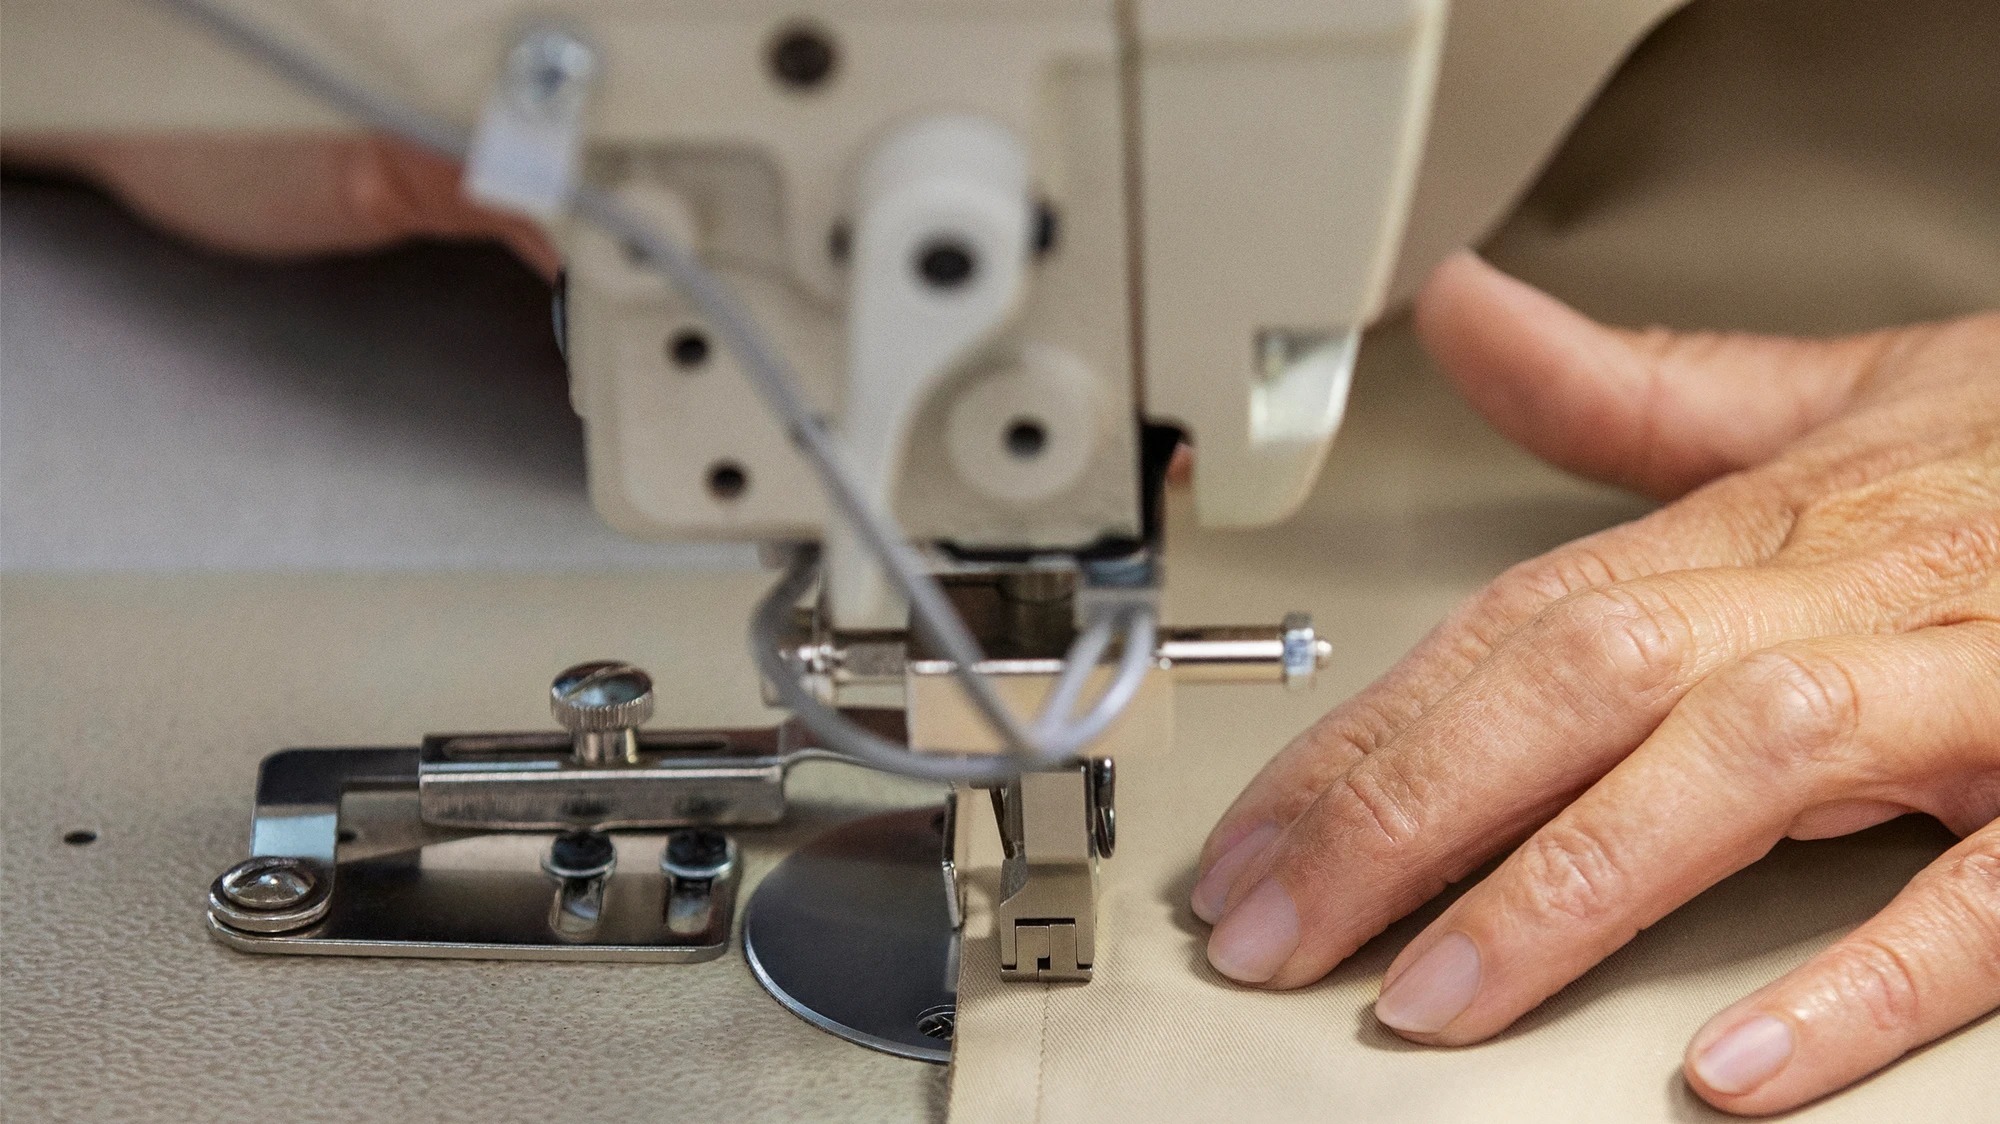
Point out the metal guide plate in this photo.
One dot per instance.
(402, 889)
(853, 933)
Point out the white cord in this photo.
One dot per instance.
(1053, 737)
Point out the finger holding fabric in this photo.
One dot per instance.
(1925, 966)
(1805, 739)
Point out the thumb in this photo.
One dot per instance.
(1658, 411)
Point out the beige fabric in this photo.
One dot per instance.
(1787, 165)
(139, 707)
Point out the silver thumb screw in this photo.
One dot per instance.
(603, 704)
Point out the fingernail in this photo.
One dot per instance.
(1258, 936)
(1434, 990)
(1211, 894)
(1747, 1056)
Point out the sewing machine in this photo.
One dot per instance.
(1011, 256)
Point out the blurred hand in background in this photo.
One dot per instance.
(285, 195)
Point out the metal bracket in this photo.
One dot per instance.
(599, 844)
(530, 782)
(342, 865)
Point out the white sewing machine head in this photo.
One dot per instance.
(995, 238)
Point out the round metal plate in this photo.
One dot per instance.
(852, 933)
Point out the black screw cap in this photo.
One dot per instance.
(580, 854)
(697, 852)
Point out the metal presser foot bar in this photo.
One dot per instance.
(605, 841)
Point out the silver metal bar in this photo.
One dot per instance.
(1213, 654)
(529, 782)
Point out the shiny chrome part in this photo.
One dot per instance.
(268, 884)
(694, 860)
(678, 778)
(270, 894)
(578, 908)
(950, 827)
(1024, 623)
(454, 854)
(404, 888)
(1103, 776)
(830, 663)
(1290, 653)
(502, 845)
(852, 935)
(602, 704)
(530, 782)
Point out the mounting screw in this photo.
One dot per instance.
(269, 894)
(580, 854)
(938, 1023)
(1304, 652)
(802, 56)
(603, 703)
(697, 854)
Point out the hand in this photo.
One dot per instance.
(1804, 643)
(287, 196)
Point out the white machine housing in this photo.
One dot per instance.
(1208, 201)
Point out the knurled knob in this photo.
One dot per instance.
(601, 695)
(602, 704)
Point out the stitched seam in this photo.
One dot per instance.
(1042, 1051)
